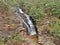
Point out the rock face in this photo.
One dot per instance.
(8, 27)
(46, 40)
(11, 25)
(44, 37)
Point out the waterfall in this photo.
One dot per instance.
(28, 22)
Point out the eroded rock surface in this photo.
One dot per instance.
(44, 37)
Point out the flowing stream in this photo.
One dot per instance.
(27, 21)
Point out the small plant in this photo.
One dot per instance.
(55, 28)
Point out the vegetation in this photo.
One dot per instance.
(36, 9)
(55, 25)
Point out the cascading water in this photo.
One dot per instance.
(27, 21)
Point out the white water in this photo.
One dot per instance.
(28, 23)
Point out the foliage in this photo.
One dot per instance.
(3, 7)
(34, 8)
(17, 38)
(55, 28)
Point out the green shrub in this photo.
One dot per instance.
(35, 8)
(55, 28)
(3, 7)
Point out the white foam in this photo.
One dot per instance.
(21, 11)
